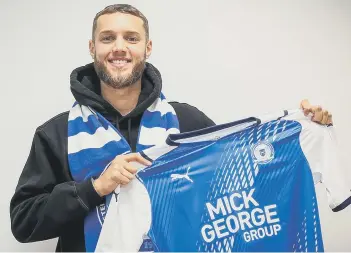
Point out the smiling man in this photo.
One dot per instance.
(78, 158)
(113, 33)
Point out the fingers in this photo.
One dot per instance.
(119, 178)
(306, 107)
(327, 118)
(321, 116)
(129, 168)
(123, 172)
(136, 157)
(330, 119)
(127, 174)
(317, 114)
(324, 117)
(305, 104)
(306, 111)
(119, 172)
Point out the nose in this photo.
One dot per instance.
(119, 45)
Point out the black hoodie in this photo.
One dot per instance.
(47, 203)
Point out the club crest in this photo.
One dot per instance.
(262, 152)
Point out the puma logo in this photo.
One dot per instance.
(180, 176)
(116, 195)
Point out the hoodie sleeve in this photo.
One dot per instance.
(43, 203)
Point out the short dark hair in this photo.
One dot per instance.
(122, 8)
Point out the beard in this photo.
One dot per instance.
(117, 81)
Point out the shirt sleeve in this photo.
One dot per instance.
(319, 144)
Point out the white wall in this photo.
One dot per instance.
(229, 58)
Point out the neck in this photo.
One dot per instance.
(123, 100)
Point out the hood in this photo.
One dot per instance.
(85, 87)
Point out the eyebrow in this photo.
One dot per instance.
(127, 32)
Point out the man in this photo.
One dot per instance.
(116, 91)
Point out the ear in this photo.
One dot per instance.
(92, 48)
(148, 49)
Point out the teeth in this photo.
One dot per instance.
(119, 61)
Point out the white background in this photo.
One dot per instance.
(230, 59)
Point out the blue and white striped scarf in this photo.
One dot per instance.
(93, 142)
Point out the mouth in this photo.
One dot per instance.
(119, 62)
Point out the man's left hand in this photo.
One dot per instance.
(319, 115)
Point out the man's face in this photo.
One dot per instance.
(120, 49)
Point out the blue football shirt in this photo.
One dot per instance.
(248, 185)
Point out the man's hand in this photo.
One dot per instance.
(318, 114)
(120, 172)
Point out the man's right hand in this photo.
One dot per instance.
(120, 172)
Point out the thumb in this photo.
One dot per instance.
(306, 106)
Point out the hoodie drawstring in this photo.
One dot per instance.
(129, 130)
(117, 124)
(129, 133)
